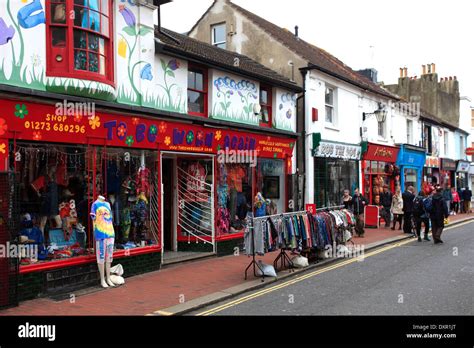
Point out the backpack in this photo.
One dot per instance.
(418, 205)
(428, 204)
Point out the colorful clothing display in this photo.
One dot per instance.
(101, 213)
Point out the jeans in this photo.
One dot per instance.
(386, 215)
(407, 223)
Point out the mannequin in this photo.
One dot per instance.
(101, 214)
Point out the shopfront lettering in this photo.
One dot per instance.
(382, 152)
(335, 150)
(197, 139)
(120, 130)
(239, 143)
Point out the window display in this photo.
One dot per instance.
(271, 183)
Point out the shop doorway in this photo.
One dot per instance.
(187, 207)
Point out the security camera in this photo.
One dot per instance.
(256, 109)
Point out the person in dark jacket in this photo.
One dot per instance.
(358, 204)
(438, 213)
(421, 216)
(447, 197)
(466, 198)
(386, 203)
(408, 198)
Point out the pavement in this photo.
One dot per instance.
(186, 287)
(408, 278)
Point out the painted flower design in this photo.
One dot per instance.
(200, 136)
(3, 126)
(37, 136)
(3, 148)
(121, 131)
(36, 60)
(135, 121)
(218, 135)
(173, 64)
(78, 118)
(6, 33)
(292, 145)
(167, 141)
(190, 137)
(122, 48)
(128, 16)
(145, 73)
(275, 155)
(289, 113)
(21, 111)
(163, 127)
(129, 140)
(153, 129)
(94, 122)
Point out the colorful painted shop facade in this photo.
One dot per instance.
(179, 135)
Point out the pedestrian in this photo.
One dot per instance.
(456, 201)
(447, 197)
(358, 204)
(421, 216)
(397, 208)
(346, 200)
(408, 198)
(467, 197)
(438, 213)
(386, 203)
(461, 204)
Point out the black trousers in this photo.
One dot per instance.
(397, 218)
(386, 215)
(407, 227)
(418, 222)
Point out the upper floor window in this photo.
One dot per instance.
(381, 129)
(79, 43)
(219, 35)
(445, 142)
(197, 91)
(266, 105)
(427, 140)
(409, 132)
(462, 148)
(330, 105)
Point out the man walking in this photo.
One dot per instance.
(438, 213)
(447, 197)
(421, 216)
(358, 204)
(386, 203)
(466, 197)
(408, 198)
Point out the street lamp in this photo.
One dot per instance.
(380, 114)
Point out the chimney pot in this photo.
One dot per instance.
(423, 69)
(455, 78)
(450, 78)
(433, 66)
(429, 68)
(401, 72)
(442, 79)
(405, 72)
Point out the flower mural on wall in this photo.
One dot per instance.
(163, 127)
(167, 141)
(218, 135)
(246, 90)
(3, 126)
(169, 72)
(129, 140)
(121, 131)
(21, 111)
(134, 31)
(94, 122)
(3, 147)
(6, 32)
(286, 111)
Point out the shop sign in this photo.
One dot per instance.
(335, 150)
(432, 162)
(41, 122)
(470, 151)
(448, 164)
(311, 208)
(381, 153)
(463, 166)
(408, 158)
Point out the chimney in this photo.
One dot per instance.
(401, 72)
(433, 67)
(429, 68)
(405, 72)
(423, 68)
(296, 30)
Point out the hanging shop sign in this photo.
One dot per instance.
(463, 166)
(337, 150)
(381, 153)
(41, 122)
(470, 151)
(448, 164)
(432, 162)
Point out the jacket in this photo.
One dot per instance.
(467, 195)
(397, 205)
(358, 204)
(386, 199)
(408, 203)
(447, 195)
(439, 211)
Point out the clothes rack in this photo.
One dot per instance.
(253, 263)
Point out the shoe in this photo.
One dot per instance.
(436, 241)
(393, 228)
(427, 238)
(440, 241)
(419, 239)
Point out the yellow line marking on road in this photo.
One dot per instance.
(164, 313)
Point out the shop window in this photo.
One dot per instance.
(271, 184)
(79, 40)
(197, 91)
(266, 105)
(58, 183)
(330, 98)
(234, 197)
(219, 35)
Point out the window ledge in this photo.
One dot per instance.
(331, 127)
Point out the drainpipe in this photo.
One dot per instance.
(302, 153)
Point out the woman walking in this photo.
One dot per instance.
(397, 208)
(456, 201)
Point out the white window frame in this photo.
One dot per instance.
(382, 129)
(213, 36)
(332, 106)
(410, 132)
(446, 143)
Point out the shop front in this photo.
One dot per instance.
(431, 171)
(379, 169)
(462, 174)
(336, 168)
(447, 172)
(411, 160)
(167, 183)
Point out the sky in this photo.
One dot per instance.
(383, 34)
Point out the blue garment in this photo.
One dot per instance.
(262, 211)
(33, 234)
